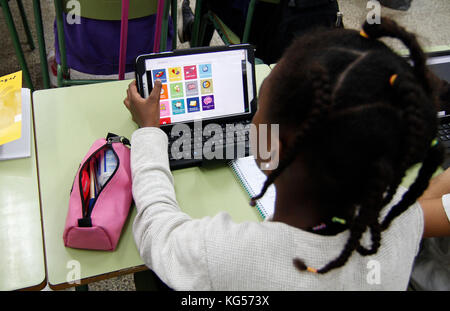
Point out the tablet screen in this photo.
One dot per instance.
(201, 86)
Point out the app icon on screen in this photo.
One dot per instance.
(206, 86)
(164, 109)
(175, 74)
(178, 106)
(164, 92)
(191, 88)
(163, 121)
(159, 74)
(176, 90)
(208, 102)
(190, 72)
(193, 104)
(205, 70)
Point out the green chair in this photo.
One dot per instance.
(227, 35)
(15, 37)
(107, 10)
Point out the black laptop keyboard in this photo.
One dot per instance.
(190, 150)
(444, 132)
(444, 137)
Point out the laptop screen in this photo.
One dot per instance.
(201, 86)
(439, 63)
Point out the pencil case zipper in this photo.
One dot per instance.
(85, 221)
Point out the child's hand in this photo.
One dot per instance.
(145, 112)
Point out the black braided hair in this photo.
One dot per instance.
(322, 100)
(356, 129)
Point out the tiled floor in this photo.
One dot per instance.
(429, 19)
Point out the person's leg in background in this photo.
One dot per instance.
(148, 281)
(232, 12)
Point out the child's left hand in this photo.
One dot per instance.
(145, 112)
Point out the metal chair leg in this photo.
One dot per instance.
(165, 27)
(41, 43)
(248, 22)
(26, 26)
(197, 20)
(16, 43)
(174, 23)
(61, 38)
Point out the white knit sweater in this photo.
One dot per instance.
(214, 253)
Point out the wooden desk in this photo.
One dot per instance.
(68, 121)
(21, 244)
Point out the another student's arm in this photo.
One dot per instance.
(436, 220)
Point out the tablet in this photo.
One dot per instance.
(205, 84)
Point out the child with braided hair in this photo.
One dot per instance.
(353, 118)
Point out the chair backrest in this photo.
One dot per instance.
(111, 9)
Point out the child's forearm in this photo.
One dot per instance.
(439, 186)
(436, 221)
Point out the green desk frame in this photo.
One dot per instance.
(68, 121)
(22, 264)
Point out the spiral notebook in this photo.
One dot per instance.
(252, 179)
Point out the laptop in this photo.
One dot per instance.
(207, 101)
(439, 63)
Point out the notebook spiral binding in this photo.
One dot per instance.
(243, 181)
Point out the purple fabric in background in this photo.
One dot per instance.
(93, 46)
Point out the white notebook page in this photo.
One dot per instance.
(253, 179)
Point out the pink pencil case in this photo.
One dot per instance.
(99, 209)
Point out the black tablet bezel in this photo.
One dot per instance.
(140, 70)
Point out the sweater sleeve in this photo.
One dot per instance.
(169, 241)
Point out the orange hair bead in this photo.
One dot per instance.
(311, 270)
(364, 34)
(392, 79)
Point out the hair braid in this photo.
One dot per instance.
(414, 112)
(412, 99)
(378, 120)
(375, 232)
(367, 216)
(357, 229)
(374, 204)
(434, 158)
(389, 28)
(322, 102)
(352, 243)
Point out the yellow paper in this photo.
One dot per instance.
(10, 107)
